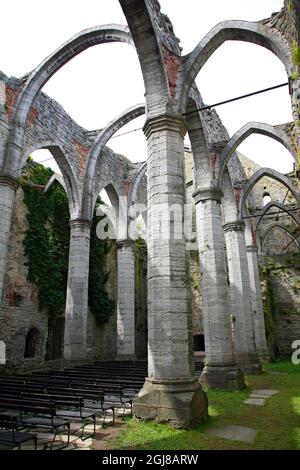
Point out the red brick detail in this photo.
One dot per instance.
(253, 231)
(172, 64)
(213, 157)
(32, 117)
(127, 186)
(11, 98)
(82, 151)
(39, 187)
(237, 194)
(10, 296)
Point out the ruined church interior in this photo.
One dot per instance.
(132, 290)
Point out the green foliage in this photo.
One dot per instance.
(99, 302)
(47, 239)
(296, 53)
(295, 76)
(47, 247)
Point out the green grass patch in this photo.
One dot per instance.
(277, 423)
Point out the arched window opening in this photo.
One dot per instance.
(31, 343)
(45, 158)
(266, 198)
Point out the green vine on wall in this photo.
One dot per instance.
(47, 247)
(99, 302)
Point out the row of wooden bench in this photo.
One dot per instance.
(54, 400)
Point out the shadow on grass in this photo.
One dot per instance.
(277, 422)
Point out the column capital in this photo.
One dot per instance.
(81, 223)
(251, 249)
(173, 122)
(205, 194)
(10, 181)
(125, 244)
(237, 226)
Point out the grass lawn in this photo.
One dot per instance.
(277, 422)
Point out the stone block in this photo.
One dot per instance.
(182, 405)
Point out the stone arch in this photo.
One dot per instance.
(137, 181)
(112, 213)
(39, 77)
(229, 202)
(91, 192)
(234, 30)
(202, 169)
(53, 179)
(32, 343)
(282, 207)
(282, 227)
(141, 17)
(254, 128)
(69, 180)
(256, 177)
(136, 204)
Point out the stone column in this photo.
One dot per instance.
(221, 370)
(257, 305)
(8, 187)
(77, 291)
(240, 296)
(171, 392)
(125, 300)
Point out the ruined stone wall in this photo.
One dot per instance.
(19, 310)
(20, 307)
(141, 302)
(102, 340)
(287, 314)
(285, 290)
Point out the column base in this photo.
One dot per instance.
(264, 355)
(249, 363)
(182, 404)
(223, 376)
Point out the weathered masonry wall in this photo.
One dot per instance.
(281, 287)
(19, 310)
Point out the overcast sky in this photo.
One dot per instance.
(99, 84)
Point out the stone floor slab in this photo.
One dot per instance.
(267, 393)
(257, 395)
(274, 372)
(255, 401)
(234, 433)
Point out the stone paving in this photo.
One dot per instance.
(235, 433)
(241, 433)
(254, 401)
(258, 397)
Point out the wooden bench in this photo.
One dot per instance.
(36, 414)
(9, 433)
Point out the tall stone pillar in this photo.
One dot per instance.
(171, 392)
(221, 370)
(240, 296)
(77, 291)
(8, 187)
(257, 305)
(125, 300)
